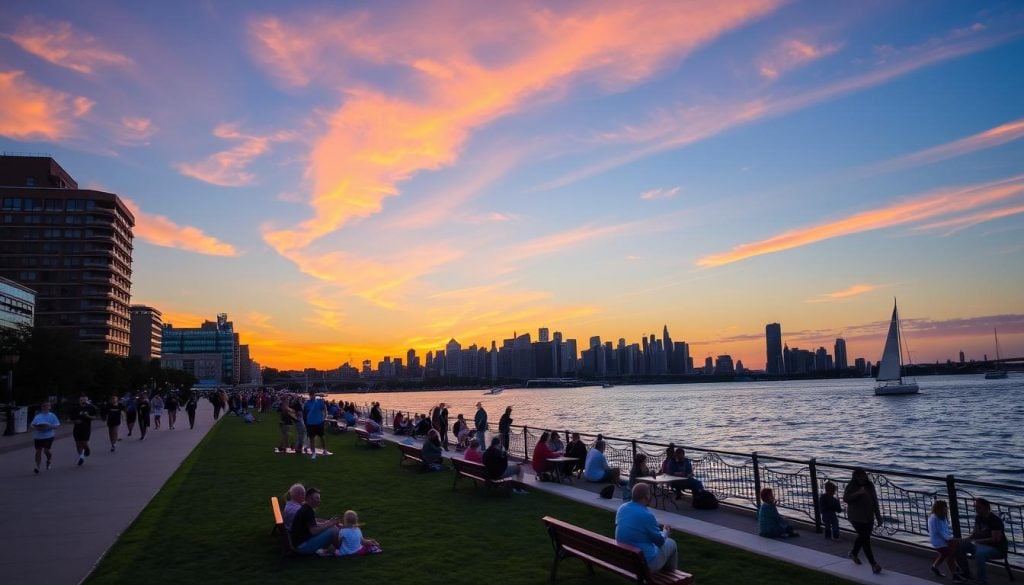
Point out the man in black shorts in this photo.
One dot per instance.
(83, 417)
(114, 411)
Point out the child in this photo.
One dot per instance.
(942, 540)
(769, 521)
(352, 541)
(830, 510)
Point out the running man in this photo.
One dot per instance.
(83, 417)
(172, 409)
(114, 411)
(43, 424)
(315, 412)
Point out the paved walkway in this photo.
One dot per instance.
(737, 528)
(57, 525)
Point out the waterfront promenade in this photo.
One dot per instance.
(58, 524)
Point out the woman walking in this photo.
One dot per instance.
(157, 404)
(190, 409)
(172, 409)
(861, 509)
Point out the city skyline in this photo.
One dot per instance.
(352, 181)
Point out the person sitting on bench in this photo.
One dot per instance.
(310, 537)
(635, 525)
(679, 465)
(432, 460)
(986, 541)
(496, 461)
(597, 469)
(473, 453)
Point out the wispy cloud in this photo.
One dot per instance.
(793, 53)
(983, 140)
(660, 193)
(852, 291)
(669, 130)
(161, 231)
(29, 111)
(916, 209)
(229, 168)
(960, 223)
(136, 130)
(59, 44)
(568, 239)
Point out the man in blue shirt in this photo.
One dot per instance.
(596, 468)
(635, 525)
(42, 434)
(315, 413)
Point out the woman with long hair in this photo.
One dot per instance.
(862, 507)
(941, 537)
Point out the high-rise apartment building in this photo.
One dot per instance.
(775, 363)
(72, 246)
(543, 335)
(147, 332)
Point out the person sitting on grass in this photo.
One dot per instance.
(294, 499)
(769, 522)
(432, 460)
(310, 537)
(352, 541)
(596, 469)
(681, 466)
(473, 453)
(496, 462)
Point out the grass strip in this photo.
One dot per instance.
(211, 522)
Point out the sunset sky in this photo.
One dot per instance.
(349, 180)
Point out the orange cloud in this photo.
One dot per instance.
(375, 141)
(60, 45)
(852, 291)
(561, 241)
(161, 231)
(961, 223)
(931, 205)
(791, 54)
(989, 138)
(32, 112)
(228, 168)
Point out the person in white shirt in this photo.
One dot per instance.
(941, 537)
(43, 425)
(352, 541)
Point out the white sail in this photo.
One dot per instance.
(889, 367)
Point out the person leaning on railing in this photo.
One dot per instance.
(987, 540)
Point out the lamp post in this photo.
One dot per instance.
(10, 360)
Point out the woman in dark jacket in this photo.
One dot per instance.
(505, 427)
(862, 508)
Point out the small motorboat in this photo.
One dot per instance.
(495, 390)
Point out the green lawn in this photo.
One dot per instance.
(211, 524)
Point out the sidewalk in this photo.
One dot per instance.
(737, 528)
(59, 523)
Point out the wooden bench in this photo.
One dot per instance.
(363, 435)
(478, 473)
(594, 549)
(281, 531)
(410, 452)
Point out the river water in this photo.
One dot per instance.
(964, 425)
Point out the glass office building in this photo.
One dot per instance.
(17, 304)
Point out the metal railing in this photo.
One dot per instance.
(905, 498)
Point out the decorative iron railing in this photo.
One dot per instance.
(905, 499)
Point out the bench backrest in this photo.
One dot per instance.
(624, 559)
(410, 449)
(275, 504)
(470, 468)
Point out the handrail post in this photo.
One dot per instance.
(526, 445)
(633, 460)
(812, 465)
(954, 505)
(757, 481)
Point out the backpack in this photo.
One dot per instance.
(705, 500)
(607, 492)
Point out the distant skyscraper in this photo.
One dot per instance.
(595, 341)
(146, 332)
(840, 353)
(453, 352)
(543, 336)
(773, 336)
(666, 341)
(723, 365)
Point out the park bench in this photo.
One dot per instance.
(478, 473)
(410, 452)
(363, 435)
(594, 549)
(281, 531)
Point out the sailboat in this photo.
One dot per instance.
(996, 374)
(890, 369)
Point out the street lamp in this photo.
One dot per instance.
(10, 360)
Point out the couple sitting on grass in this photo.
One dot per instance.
(335, 536)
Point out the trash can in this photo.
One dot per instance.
(21, 419)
